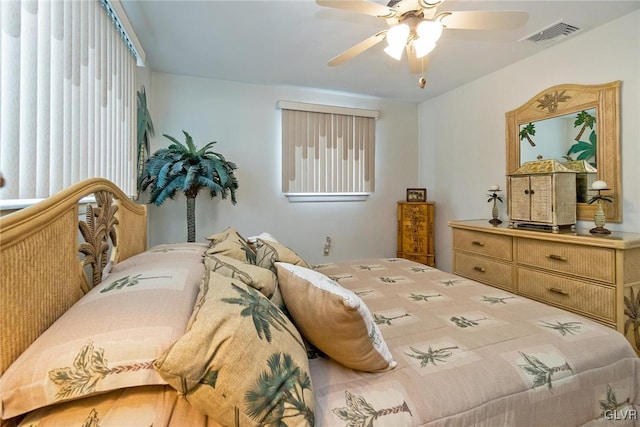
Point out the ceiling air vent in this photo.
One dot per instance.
(554, 33)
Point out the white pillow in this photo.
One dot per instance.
(263, 236)
(348, 333)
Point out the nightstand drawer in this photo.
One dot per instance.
(484, 270)
(492, 245)
(591, 299)
(584, 261)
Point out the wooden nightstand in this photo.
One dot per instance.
(415, 232)
(595, 276)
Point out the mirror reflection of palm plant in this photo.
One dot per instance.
(128, 281)
(584, 149)
(280, 392)
(563, 328)
(632, 311)
(381, 319)
(89, 368)
(526, 132)
(432, 356)
(585, 120)
(185, 168)
(360, 413)
(610, 404)
(263, 313)
(541, 373)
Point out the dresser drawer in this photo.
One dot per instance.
(574, 295)
(412, 212)
(485, 270)
(493, 245)
(584, 261)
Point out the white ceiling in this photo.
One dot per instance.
(289, 43)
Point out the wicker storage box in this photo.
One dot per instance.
(542, 194)
(585, 176)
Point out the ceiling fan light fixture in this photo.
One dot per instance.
(397, 35)
(423, 46)
(394, 51)
(397, 39)
(429, 30)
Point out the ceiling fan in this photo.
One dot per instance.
(416, 25)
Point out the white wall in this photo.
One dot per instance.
(462, 132)
(244, 120)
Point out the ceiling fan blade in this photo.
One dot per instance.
(358, 48)
(416, 66)
(483, 20)
(359, 6)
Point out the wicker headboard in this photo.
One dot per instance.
(50, 257)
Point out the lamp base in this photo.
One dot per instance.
(599, 230)
(495, 221)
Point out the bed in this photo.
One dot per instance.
(99, 330)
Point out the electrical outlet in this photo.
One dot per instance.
(327, 246)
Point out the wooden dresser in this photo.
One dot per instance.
(415, 232)
(595, 276)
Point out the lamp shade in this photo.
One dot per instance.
(429, 30)
(396, 40)
(423, 47)
(397, 35)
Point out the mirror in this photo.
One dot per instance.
(548, 124)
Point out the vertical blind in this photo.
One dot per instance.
(68, 104)
(327, 149)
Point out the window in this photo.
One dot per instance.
(68, 96)
(328, 153)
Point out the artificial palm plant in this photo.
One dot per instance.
(185, 168)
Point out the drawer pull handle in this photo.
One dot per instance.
(477, 243)
(559, 291)
(480, 269)
(557, 257)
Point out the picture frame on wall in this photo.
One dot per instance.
(416, 194)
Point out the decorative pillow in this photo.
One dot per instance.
(269, 252)
(242, 362)
(107, 340)
(263, 236)
(259, 278)
(232, 244)
(348, 333)
(168, 252)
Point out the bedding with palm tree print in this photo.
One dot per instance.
(471, 354)
(467, 353)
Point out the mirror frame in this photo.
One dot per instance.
(565, 99)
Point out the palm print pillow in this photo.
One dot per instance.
(242, 362)
(110, 337)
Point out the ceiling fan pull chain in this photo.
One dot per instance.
(422, 82)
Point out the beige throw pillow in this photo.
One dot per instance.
(230, 243)
(231, 363)
(333, 319)
(259, 278)
(270, 252)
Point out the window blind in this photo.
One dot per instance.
(68, 97)
(327, 149)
